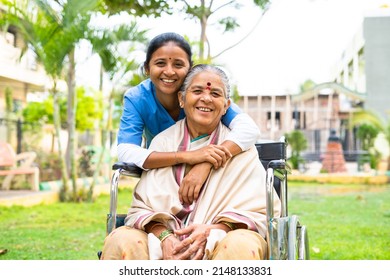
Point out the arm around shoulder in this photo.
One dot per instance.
(133, 153)
(244, 131)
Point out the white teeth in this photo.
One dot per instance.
(204, 109)
(168, 81)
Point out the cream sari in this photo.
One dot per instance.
(235, 193)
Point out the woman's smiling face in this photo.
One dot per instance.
(205, 103)
(168, 68)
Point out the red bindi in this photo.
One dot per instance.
(208, 85)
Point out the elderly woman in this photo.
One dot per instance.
(227, 221)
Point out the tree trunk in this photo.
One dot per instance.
(8, 113)
(388, 163)
(105, 137)
(57, 126)
(101, 72)
(202, 42)
(71, 110)
(203, 25)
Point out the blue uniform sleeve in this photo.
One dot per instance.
(243, 130)
(231, 113)
(131, 125)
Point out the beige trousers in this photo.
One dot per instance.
(126, 243)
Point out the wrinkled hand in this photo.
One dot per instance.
(168, 246)
(192, 183)
(217, 155)
(193, 247)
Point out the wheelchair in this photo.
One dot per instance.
(287, 239)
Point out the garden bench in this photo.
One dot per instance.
(12, 164)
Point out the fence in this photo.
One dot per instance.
(12, 132)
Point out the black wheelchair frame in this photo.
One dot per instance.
(287, 239)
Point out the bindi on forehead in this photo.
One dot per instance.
(208, 86)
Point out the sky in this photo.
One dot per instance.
(295, 40)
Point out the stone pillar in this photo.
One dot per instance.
(259, 111)
(246, 104)
(273, 114)
(287, 113)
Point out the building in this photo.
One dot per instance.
(315, 112)
(360, 80)
(19, 76)
(365, 63)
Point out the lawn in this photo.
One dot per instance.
(60, 231)
(343, 223)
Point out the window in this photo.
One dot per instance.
(31, 59)
(296, 120)
(277, 121)
(10, 37)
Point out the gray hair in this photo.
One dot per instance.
(210, 68)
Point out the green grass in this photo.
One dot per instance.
(351, 225)
(60, 231)
(344, 222)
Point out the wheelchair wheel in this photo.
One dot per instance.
(298, 241)
(303, 244)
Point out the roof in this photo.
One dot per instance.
(320, 89)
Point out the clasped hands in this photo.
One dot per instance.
(190, 248)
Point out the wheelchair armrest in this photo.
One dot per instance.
(280, 167)
(131, 168)
(277, 164)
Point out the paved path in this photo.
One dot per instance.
(27, 197)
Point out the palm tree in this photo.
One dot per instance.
(41, 35)
(53, 29)
(105, 43)
(380, 123)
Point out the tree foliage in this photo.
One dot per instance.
(382, 125)
(106, 43)
(298, 143)
(138, 8)
(42, 112)
(202, 11)
(367, 133)
(89, 110)
(308, 84)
